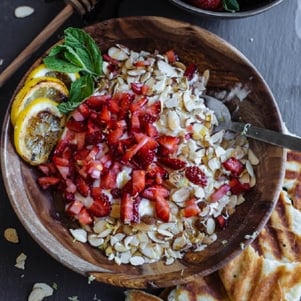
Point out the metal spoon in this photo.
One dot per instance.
(224, 117)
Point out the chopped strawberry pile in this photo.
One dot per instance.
(101, 137)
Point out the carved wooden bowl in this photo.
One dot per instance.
(39, 213)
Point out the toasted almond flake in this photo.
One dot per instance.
(11, 235)
(79, 235)
(23, 11)
(137, 260)
(40, 291)
(20, 261)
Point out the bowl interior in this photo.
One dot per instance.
(248, 9)
(41, 212)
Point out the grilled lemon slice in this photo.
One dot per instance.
(48, 87)
(41, 71)
(37, 130)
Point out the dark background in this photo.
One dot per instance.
(270, 42)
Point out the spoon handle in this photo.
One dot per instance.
(265, 135)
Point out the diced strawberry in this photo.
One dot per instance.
(237, 187)
(101, 206)
(47, 168)
(136, 215)
(84, 110)
(82, 187)
(70, 186)
(139, 89)
(191, 208)
(154, 109)
(138, 104)
(113, 105)
(234, 166)
(168, 144)
(157, 173)
(173, 163)
(190, 71)
(76, 126)
(84, 217)
(195, 175)
(109, 177)
(80, 140)
(62, 166)
(104, 114)
(94, 169)
(162, 208)
(142, 63)
(144, 157)
(109, 59)
(172, 57)
(97, 101)
(46, 182)
(138, 181)
(134, 122)
(155, 191)
(125, 103)
(96, 192)
(221, 221)
(74, 207)
(219, 193)
(114, 136)
(127, 208)
(151, 130)
(142, 140)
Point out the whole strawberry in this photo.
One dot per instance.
(215, 5)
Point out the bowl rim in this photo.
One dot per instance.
(48, 240)
(227, 15)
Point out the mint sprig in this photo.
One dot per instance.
(231, 5)
(78, 53)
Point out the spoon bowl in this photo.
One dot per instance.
(225, 123)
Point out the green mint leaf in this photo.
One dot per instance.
(79, 91)
(84, 45)
(231, 5)
(60, 65)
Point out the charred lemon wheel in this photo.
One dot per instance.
(41, 70)
(37, 130)
(48, 87)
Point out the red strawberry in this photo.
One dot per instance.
(219, 193)
(82, 187)
(139, 88)
(101, 206)
(138, 181)
(74, 207)
(192, 208)
(173, 163)
(168, 144)
(171, 56)
(127, 208)
(156, 174)
(138, 104)
(154, 192)
(46, 182)
(97, 101)
(215, 5)
(190, 69)
(221, 221)
(84, 217)
(144, 157)
(76, 126)
(162, 208)
(195, 175)
(237, 187)
(234, 166)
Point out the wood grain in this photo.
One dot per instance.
(43, 218)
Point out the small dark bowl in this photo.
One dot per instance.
(246, 11)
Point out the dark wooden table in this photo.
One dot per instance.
(269, 40)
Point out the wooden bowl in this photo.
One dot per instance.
(247, 10)
(42, 218)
